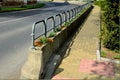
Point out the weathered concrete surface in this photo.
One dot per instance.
(33, 66)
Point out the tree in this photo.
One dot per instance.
(1, 4)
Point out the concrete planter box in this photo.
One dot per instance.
(39, 57)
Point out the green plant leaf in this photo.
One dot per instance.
(43, 40)
(57, 29)
(103, 54)
(117, 57)
(52, 34)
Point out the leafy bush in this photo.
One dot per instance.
(97, 3)
(100, 3)
(32, 6)
(111, 27)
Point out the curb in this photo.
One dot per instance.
(110, 60)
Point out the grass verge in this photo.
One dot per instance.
(24, 7)
(107, 53)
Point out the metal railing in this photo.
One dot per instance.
(63, 18)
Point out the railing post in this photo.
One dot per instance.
(73, 13)
(65, 17)
(54, 22)
(33, 35)
(60, 19)
(45, 21)
(68, 15)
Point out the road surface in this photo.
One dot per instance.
(15, 39)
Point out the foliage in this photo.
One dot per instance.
(43, 40)
(103, 54)
(111, 29)
(11, 9)
(117, 57)
(67, 23)
(57, 29)
(97, 2)
(23, 7)
(32, 6)
(52, 34)
(101, 3)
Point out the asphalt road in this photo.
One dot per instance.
(15, 39)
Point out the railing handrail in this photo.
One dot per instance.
(75, 11)
(60, 16)
(52, 17)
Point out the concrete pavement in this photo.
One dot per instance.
(80, 61)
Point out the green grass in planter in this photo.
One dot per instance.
(43, 40)
(67, 23)
(57, 29)
(52, 34)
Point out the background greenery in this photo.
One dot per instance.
(110, 32)
(23, 7)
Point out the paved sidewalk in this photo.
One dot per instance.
(80, 58)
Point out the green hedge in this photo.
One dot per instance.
(100, 3)
(111, 26)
